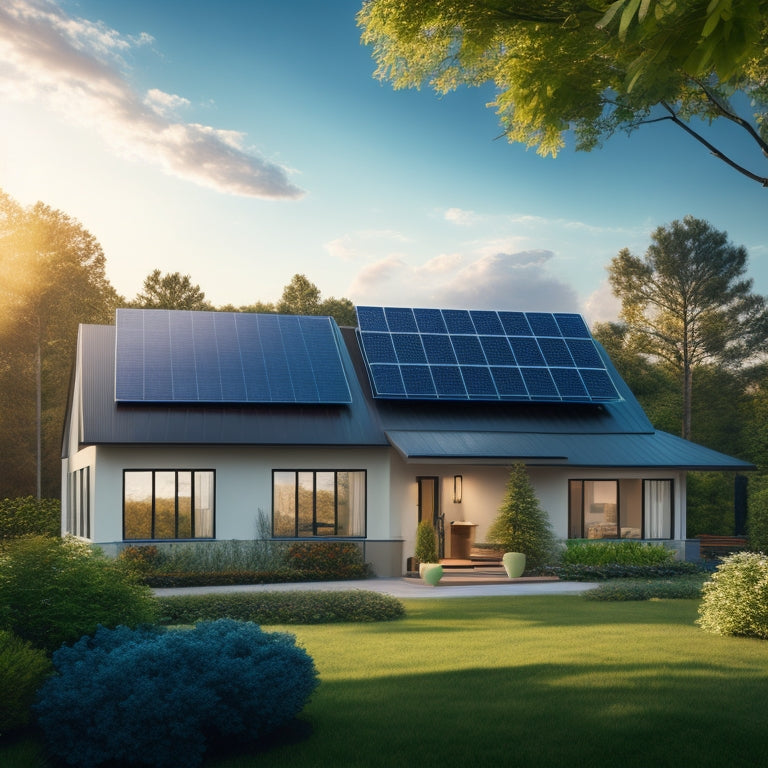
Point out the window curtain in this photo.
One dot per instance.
(658, 509)
(357, 503)
(204, 505)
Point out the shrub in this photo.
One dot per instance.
(618, 552)
(54, 591)
(327, 560)
(22, 671)
(678, 588)
(735, 600)
(616, 571)
(28, 516)
(426, 544)
(160, 698)
(521, 524)
(291, 607)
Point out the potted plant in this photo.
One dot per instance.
(426, 553)
(521, 527)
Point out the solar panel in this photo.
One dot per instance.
(227, 357)
(482, 355)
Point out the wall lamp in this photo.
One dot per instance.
(458, 481)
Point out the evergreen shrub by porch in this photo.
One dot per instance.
(521, 525)
(757, 517)
(28, 516)
(615, 552)
(319, 560)
(735, 600)
(426, 542)
(54, 591)
(160, 698)
(22, 671)
(291, 607)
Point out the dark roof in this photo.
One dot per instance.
(104, 421)
(611, 434)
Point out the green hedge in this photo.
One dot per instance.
(616, 571)
(290, 607)
(615, 552)
(678, 588)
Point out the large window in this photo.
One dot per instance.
(318, 503)
(168, 504)
(79, 507)
(627, 509)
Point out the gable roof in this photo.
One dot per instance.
(616, 433)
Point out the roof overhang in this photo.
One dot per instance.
(653, 450)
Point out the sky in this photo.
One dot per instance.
(244, 141)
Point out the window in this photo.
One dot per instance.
(79, 508)
(627, 509)
(318, 503)
(168, 504)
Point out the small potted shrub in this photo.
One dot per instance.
(426, 553)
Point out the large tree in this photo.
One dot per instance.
(591, 66)
(688, 303)
(170, 291)
(302, 297)
(51, 279)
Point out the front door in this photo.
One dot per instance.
(429, 508)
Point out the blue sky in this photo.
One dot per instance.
(243, 142)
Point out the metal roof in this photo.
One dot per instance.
(613, 434)
(103, 421)
(654, 450)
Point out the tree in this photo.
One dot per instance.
(170, 291)
(521, 524)
(302, 297)
(52, 277)
(591, 66)
(687, 302)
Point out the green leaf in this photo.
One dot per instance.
(627, 16)
(609, 14)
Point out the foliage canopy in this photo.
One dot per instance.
(593, 66)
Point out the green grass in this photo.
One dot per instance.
(527, 681)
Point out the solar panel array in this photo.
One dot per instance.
(449, 354)
(164, 356)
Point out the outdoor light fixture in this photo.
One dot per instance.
(457, 483)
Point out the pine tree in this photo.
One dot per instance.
(521, 524)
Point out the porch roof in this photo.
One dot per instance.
(649, 450)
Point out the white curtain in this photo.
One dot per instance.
(203, 505)
(658, 509)
(357, 503)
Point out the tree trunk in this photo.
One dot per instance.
(687, 400)
(39, 419)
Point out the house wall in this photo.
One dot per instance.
(243, 487)
(483, 490)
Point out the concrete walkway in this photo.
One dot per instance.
(408, 587)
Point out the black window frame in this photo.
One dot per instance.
(618, 482)
(176, 471)
(315, 536)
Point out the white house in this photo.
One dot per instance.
(188, 425)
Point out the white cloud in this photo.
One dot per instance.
(602, 306)
(73, 67)
(461, 217)
(163, 102)
(519, 281)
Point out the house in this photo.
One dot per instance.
(190, 425)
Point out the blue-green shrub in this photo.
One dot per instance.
(158, 698)
(615, 552)
(54, 591)
(735, 600)
(22, 671)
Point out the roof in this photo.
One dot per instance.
(609, 434)
(103, 421)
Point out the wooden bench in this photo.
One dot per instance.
(715, 546)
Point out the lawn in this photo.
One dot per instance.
(526, 681)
